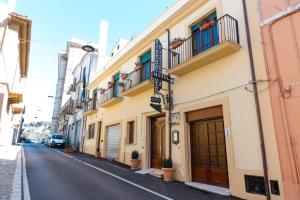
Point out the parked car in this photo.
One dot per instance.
(56, 140)
(27, 140)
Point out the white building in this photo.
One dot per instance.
(15, 34)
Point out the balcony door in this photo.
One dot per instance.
(94, 99)
(145, 72)
(116, 87)
(204, 39)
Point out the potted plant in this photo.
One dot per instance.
(98, 153)
(211, 22)
(102, 90)
(110, 84)
(68, 149)
(138, 66)
(206, 24)
(124, 76)
(168, 170)
(176, 43)
(134, 160)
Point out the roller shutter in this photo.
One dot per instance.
(113, 141)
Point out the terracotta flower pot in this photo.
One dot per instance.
(137, 67)
(211, 22)
(124, 76)
(204, 26)
(168, 173)
(134, 164)
(98, 155)
(176, 43)
(68, 149)
(174, 53)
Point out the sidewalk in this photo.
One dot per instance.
(10, 172)
(175, 190)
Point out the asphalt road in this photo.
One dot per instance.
(52, 175)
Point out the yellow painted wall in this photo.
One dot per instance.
(199, 89)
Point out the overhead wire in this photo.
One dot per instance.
(222, 92)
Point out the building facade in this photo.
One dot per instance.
(81, 74)
(281, 42)
(15, 34)
(222, 130)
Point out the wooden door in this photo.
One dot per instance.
(158, 142)
(208, 152)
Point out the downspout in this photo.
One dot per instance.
(258, 114)
(170, 99)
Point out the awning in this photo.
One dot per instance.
(14, 98)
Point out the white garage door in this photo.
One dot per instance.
(113, 141)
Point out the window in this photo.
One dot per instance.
(116, 87)
(94, 98)
(130, 132)
(57, 137)
(145, 60)
(204, 39)
(91, 131)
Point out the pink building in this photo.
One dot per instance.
(280, 27)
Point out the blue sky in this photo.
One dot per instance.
(54, 22)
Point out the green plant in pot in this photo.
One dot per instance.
(134, 160)
(68, 147)
(98, 152)
(168, 169)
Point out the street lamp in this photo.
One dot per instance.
(88, 48)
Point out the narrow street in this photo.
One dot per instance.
(53, 175)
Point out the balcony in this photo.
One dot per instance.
(138, 81)
(67, 108)
(71, 89)
(206, 46)
(111, 96)
(90, 107)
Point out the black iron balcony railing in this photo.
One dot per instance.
(110, 93)
(222, 30)
(90, 106)
(67, 108)
(72, 88)
(138, 76)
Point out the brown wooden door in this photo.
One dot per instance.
(158, 142)
(208, 152)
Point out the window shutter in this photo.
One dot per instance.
(146, 57)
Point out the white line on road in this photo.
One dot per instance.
(26, 194)
(115, 176)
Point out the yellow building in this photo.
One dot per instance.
(214, 114)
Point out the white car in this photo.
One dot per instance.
(57, 140)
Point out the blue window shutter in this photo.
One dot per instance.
(213, 15)
(195, 27)
(146, 57)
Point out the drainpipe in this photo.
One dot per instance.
(258, 114)
(170, 99)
